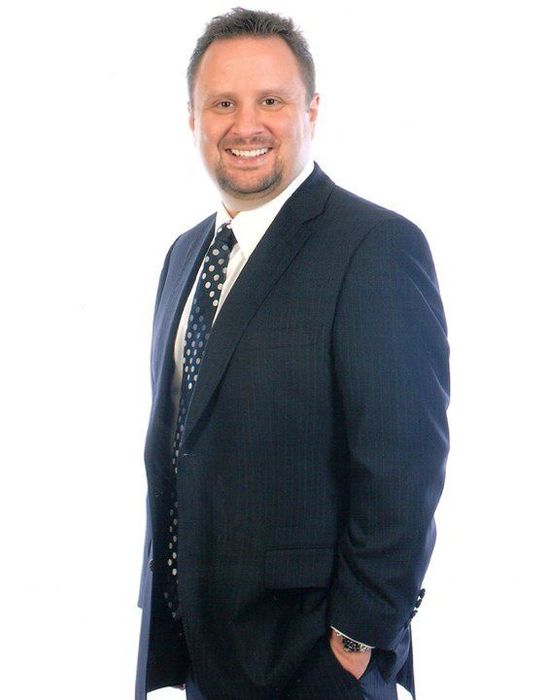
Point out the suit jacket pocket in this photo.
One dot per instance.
(299, 567)
(322, 677)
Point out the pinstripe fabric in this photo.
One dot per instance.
(314, 454)
(322, 674)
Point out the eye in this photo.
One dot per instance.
(224, 104)
(271, 101)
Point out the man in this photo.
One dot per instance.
(298, 437)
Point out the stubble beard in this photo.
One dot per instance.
(257, 190)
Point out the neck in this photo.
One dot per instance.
(235, 206)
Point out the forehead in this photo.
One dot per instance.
(248, 62)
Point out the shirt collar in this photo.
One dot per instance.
(249, 226)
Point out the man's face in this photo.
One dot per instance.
(250, 118)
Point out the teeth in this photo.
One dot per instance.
(249, 154)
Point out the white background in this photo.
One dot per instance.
(435, 109)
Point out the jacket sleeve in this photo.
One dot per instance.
(390, 357)
(147, 550)
(147, 553)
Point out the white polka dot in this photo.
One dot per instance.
(216, 302)
(220, 285)
(207, 285)
(211, 294)
(215, 251)
(212, 267)
(221, 261)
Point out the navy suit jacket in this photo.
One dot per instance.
(313, 455)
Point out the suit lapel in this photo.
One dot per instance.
(275, 251)
(183, 268)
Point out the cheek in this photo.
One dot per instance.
(209, 149)
(293, 133)
(207, 141)
(208, 134)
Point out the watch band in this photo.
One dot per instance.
(351, 645)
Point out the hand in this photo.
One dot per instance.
(355, 663)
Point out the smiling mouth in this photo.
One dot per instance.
(255, 153)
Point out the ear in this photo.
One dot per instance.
(313, 110)
(190, 116)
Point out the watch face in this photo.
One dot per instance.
(350, 645)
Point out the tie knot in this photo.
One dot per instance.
(225, 236)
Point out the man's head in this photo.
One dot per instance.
(252, 104)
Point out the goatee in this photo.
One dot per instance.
(268, 183)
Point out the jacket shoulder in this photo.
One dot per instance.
(362, 214)
(374, 229)
(190, 236)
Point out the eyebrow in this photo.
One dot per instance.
(231, 95)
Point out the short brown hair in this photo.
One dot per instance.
(241, 22)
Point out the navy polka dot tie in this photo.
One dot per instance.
(200, 321)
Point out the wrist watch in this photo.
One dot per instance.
(352, 645)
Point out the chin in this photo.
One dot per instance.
(261, 187)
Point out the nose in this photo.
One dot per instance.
(247, 121)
